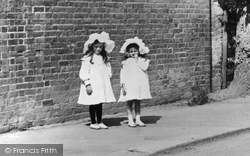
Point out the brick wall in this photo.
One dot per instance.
(42, 42)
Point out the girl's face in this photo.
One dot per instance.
(97, 48)
(133, 52)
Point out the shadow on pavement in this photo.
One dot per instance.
(118, 121)
(150, 119)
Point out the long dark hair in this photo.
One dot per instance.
(136, 46)
(103, 53)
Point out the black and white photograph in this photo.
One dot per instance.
(124, 77)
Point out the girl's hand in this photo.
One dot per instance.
(124, 89)
(89, 89)
(136, 57)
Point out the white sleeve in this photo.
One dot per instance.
(143, 64)
(84, 72)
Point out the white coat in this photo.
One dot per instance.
(98, 75)
(135, 78)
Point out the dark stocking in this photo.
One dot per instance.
(92, 114)
(99, 113)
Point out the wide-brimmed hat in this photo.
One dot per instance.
(102, 38)
(142, 48)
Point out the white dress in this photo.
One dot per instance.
(135, 77)
(98, 75)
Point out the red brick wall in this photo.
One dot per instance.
(42, 42)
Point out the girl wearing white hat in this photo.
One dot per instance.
(95, 74)
(134, 78)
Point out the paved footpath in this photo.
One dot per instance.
(168, 127)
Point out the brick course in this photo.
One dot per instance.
(42, 41)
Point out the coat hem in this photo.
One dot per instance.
(95, 103)
(124, 100)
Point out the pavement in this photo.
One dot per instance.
(169, 127)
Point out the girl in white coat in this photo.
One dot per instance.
(134, 78)
(95, 74)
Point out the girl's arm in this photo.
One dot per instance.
(143, 63)
(109, 70)
(85, 71)
(122, 74)
(122, 80)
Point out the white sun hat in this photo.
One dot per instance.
(102, 38)
(142, 48)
